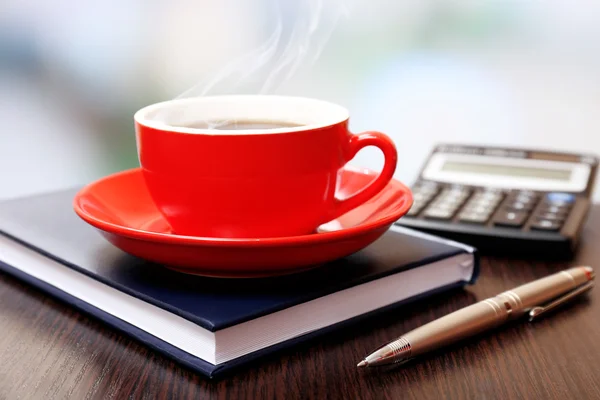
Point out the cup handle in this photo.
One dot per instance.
(358, 142)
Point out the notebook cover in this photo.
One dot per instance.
(47, 224)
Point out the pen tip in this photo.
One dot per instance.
(362, 364)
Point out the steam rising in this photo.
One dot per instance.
(300, 33)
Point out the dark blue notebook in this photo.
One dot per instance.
(209, 324)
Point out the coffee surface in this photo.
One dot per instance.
(242, 125)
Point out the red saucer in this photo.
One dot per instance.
(120, 207)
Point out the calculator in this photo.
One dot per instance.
(504, 200)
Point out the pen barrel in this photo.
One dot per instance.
(489, 313)
(456, 326)
(546, 289)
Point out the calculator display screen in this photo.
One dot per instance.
(507, 170)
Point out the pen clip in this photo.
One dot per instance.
(536, 312)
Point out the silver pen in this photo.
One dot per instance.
(534, 298)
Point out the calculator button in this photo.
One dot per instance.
(438, 213)
(520, 206)
(489, 194)
(428, 185)
(525, 194)
(484, 201)
(560, 198)
(428, 188)
(422, 195)
(513, 219)
(414, 211)
(418, 196)
(480, 207)
(561, 206)
(553, 200)
(491, 202)
(474, 208)
(551, 216)
(445, 205)
(457, 189)
(458, 199)
(474, 217)
(558, 210)
(452, 200)
(456, 192)
(564, 205)
(546, 225)
(524, 199)
(420, 203)
(488, 199)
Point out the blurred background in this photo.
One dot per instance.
(72, 74)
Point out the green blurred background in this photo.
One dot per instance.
(488, 72)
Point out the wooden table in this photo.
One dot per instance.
(49, 351)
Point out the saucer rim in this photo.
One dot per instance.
(139, 234)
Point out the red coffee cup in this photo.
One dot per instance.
(271, 181)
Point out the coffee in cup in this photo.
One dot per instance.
(242, 125)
